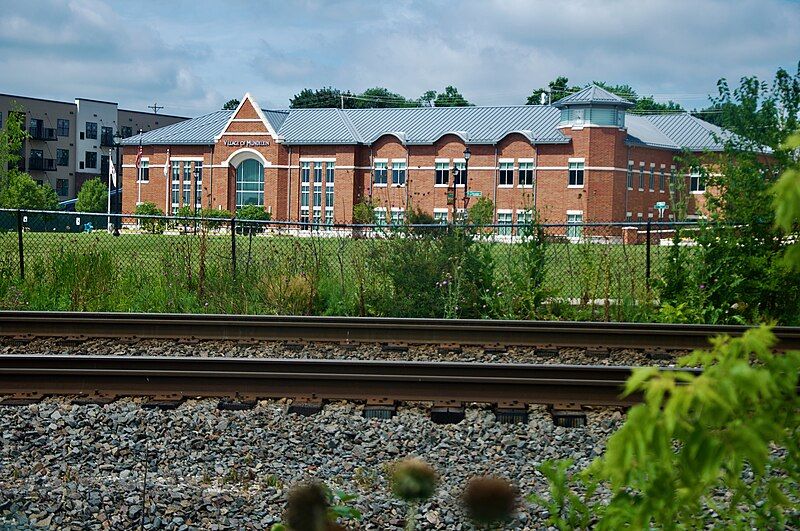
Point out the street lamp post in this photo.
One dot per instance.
(117, 199)
(467, 155)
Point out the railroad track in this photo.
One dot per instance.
(459, 332)
(170, 380)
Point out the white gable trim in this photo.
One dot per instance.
(261, 118)
(242, 154)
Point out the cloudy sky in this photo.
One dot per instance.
(193, 55)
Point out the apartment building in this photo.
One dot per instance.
(71, 142)
(583, 158)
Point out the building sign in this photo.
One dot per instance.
(451, 198)
(245, 143)
(473, 193)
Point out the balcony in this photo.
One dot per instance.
(36, 163)
(42, 133)
(107, 140)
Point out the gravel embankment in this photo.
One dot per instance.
(279, 349)
(81, 467)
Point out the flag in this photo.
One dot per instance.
(138, 159)
(167, 165)
(112, 171)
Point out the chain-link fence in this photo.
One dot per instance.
(61, 260)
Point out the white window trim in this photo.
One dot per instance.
(663, 166)
(578, 159)
(574, 186)
(458, 161)
(441, 186)
(379, 185)
(376, 161)
(501, 161)
(400, 160)
(525, 160)
(508, 186)
(526, 186)
(441, 210)
(318, 159)
(506, 211)
(574, 212)
(698, 192)
(442, 160)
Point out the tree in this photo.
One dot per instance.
(326, 97)
(736, 272)
(427, 98)
(557, 89)
(148, 224)
(231, 105)
(253, 213)
(22, 192)
(12, 136)
(481, 212)
(379, 97)
(451, 97)
(93, 196)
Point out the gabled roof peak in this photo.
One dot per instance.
(593, 94)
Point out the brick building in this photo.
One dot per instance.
(583, 158)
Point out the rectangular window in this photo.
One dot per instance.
(697, 184)
(673, 178)
(62, 127)
(379, 173)
(104, 163)
(187, 183)
(36, 128)
(398, 216)
(526, 173)
(305, 179)
(506, 174)
(198, 185)
(504, 220)
(440, 216)
(106, 136)
(442, 173)
(576, 174)
(524, 217)
(62, 157)
(144, 171)
(641, 177)
(629, 175)
(652, 181)
(380, 216)
(329, 176)
(91, 130)
(628, 216)
(398, 173)
(460, 173)
(574, 222)
(91, 159)
(661, 180)
(62, 187)
(127, 131)
(176, 186)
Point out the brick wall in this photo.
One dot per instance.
(604, 195)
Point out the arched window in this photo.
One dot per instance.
(249, 183)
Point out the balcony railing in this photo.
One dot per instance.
(107, 140)
(42, 133)
(42, 164)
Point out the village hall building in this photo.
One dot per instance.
(581, 159)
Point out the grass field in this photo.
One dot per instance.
(274, 274)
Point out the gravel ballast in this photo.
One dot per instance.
(366, 351)
(82, 466)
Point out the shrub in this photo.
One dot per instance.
(254, 213)
(364, 213)
(93, 196)
(481, 213)
(150, 225)
(23, 192)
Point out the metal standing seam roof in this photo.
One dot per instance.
(591, 95)
(425, 125)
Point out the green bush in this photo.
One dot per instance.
(254, 213)
(22, 192)
(150, 225)
(93, 196)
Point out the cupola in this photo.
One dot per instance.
(594, 106)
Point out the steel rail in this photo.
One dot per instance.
(256, 378)
(385, 330)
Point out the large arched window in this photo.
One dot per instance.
(249, 183)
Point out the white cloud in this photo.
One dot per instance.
(194, 57)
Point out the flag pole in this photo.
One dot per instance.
(110, 172)
(139, 172)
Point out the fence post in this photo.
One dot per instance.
(647, 258)
(19, 244)
(233, 245)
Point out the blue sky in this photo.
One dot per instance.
(191, 56)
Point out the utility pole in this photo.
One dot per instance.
(156, 107)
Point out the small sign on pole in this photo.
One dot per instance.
(451, 198)
(473, 193)
(661, 206)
